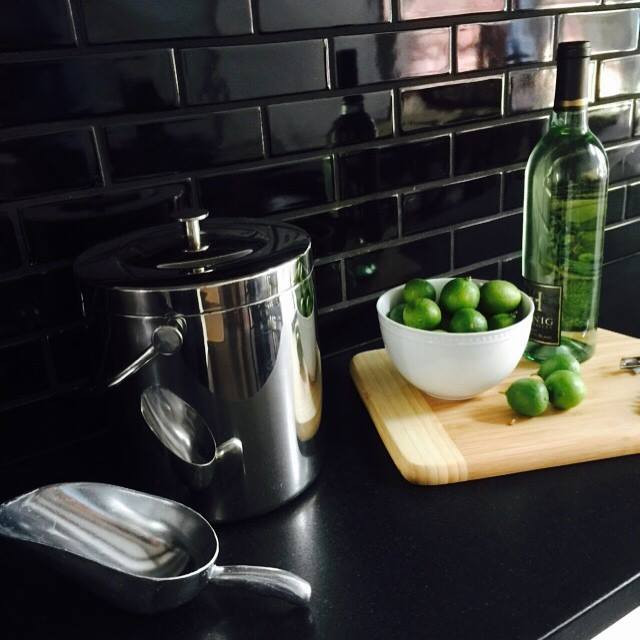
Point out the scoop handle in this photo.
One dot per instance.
(264, 581)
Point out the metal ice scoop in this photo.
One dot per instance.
(141, 552)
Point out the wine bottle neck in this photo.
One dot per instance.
(571, 119)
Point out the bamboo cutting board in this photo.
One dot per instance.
(435, 441)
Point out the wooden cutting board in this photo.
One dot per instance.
(435, 441)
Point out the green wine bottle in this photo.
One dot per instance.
(565, 205)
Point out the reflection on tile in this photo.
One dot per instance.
(382, 269)
(616, 203)
(9, 251)
(486, 148)
(71, 354)
(496, 44)
(122, 20)
(619, 76)
(550, 4)
(607, 30)
(390, 56)
(512, 271)
(62, 230)
(380, 168)
(414, 9)
(438, 105)
(260, 192)
(513, 189)
(185, 144)
(329, 122)
(624, 161)
(450, 204)
(487, 240)
(611, 121)
(622, 240)
(351, 227)
(38, 24)
(23, 371)
(74, 87)
(281, 15)
(221, 74)
(328, 282)
(636, 117)
(347, 327)
(531, 89)
(633, 201)
(49, 162)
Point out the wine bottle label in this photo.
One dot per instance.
(547, 302)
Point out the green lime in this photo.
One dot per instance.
(501, 320)
(459, 293)
(467, 321)
(528, 396)
(566, 389)
(418, 288)
(499, 296)
(422, 314)
(396, 313)
(559, 362)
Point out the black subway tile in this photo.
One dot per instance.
(619, 76)
(531, 89)
(283, 15)
(330, 122)
(632, 209)
(376, 57)
(381, 168)
(385, 268)
(513, 189)
(328, 283)
(62, 230)
(450, 204)
(416, 9)
(185, 144)
(612, 121)
(512, 271)
(9, 250)
(439, 105)
(624, 161)
(351, 227)
(71, 354)
(37, 24)
(487, 240)
(347, 327)
(622, 240)
(124, 20)
(59, 298)
(50, 162)
(606, 30)
(222, 74)
(486, 45)
(23, 371)
(492, 147)
(75, 87)
(636, 117)
(550, 4)
(488, 272)
(619, 304)
(616, 204)
(261, 192)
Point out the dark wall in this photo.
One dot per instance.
(110, 107)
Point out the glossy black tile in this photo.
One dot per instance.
(58, 298)
(488, 45)
(184, 144)
(624, 161)
(376, 57)
(9, 250)
(450, 204)
(619, 76)
(381, 168)
(512, 271)
(351, 227)
(440, 105)
(75, 87)
(385, 268)
(262, 192)
(50, 162)
(222, 74)
(612, 121)
(513, 189)
(531, 89)
(491, 147)
(619, 305)
(488, 272)
(328, 283)
(330, 122)
(487, 240)
(415, 9)
(632, 209)
(37, 24)
(347, 327)
(606, 30)
(122, 20)
(616, 204)
(622, 240)
(62, 230)
(23, 371)
(549, 4)
(636, 117)
(71, 354)
(283, 15)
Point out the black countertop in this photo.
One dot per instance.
(516, 557)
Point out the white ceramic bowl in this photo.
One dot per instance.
(453, 366)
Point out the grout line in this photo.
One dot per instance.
(102, 156)
(77, 23)
(265, 132)
(625, 199)
(343, 280)
(503, 180)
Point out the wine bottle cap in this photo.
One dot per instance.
(572, 79)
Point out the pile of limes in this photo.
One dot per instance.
(463, 307)
(558, 382)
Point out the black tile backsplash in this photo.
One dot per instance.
(394, 131)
